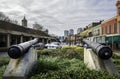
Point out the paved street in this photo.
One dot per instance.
(3, 54)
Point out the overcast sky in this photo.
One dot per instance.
(59, 15)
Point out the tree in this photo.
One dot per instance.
(37, 26)
(46, 31)
(84, 29)
(2, 16)
(7, 19)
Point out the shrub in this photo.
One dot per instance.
(116, 60)
(48, 52)
(72, 52)
(45, 64)
(4, 61)
(66, 69)
(2, 69)
(66, 52)
(115, 56)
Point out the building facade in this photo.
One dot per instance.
(61, 38)
(118, 15)
(96, 31)
(11, 34)
(24, 22)
(92, 29)
(79, 30)
(66, 33)
(111, 28)
(71, 32)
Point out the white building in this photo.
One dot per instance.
(66, 32)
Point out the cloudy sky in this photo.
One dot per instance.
(59, 15)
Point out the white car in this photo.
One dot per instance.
(53, 45)
(46, 45)
(39, 46)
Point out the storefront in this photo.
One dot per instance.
(114, 41)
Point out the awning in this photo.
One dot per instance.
(113, 39)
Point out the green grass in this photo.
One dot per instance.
(66, 52)
(49, 67)
(115, 56)
(3, 62)
(116, 60)
(2, 69)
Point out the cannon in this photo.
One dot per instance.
(102, 51)
(16, 51)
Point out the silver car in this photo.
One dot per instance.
(53, 45)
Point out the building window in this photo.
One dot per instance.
(115, 27)
(98, 32)
(106, 30)
(102, 30)
(119, 27)
(119, 11)
(110, 29)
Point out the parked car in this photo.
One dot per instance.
(53, 45)
(46, 45)
(39, 46)
(79, 44)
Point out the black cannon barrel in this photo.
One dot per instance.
(19, 50)
(102, 51)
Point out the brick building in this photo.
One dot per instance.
(111, 28)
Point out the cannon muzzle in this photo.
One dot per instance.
(102, 51)
(19, 50)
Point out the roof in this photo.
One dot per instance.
(93, 24)
(24, 19)
(6, 26)
(113, 18)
